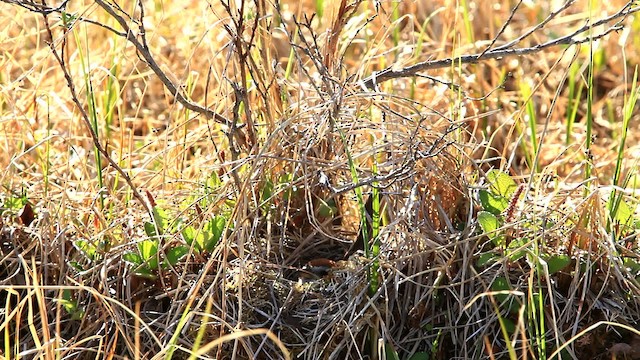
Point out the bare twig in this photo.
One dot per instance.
(533, 29)
(503, 28)
(241, 49)
(43, 9)
(141, 47)
(60, 57)
(143, 50)
(505, 50)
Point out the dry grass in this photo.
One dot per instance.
(277, 284)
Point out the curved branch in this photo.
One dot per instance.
(143, 50)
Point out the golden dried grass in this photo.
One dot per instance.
(429, 140)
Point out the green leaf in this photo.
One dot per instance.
(556, 263)
(87, 248)
(215, 228)
(267, 190)
(208, 237)
(176, 224)
(390, 353)
(175, 254)
(505, 299)
(70, 305)
(501, 184)
(420, 355)
(500, 284)
(494, 204)
(150, 229)
(76, 265)
(509, 325)
(265, 198)
(132, 257)
(517, 249)
(328, 209)
(501, 189)
(144, 271)
(632, 265)
(486, 259)
(148, 249)
(202, 236)
(213, 181)
(13, 203)
(189, 234)
(152, 264)
(623, 214)
(161, 218)
(489, 224)
(66, 295)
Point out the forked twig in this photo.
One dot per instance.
(507, 50)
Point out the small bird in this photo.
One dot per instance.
(316, 269)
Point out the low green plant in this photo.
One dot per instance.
(205, 239)
(92, 251)
(13, 203)
(498, 202)
(70, 305)
(376, 221)
(621, 220)
(147, 260)
(195, 232)
(390, 353)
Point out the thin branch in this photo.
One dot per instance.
(389, 73)
(143, 50)
(85, 117)
(141, 47)
(537, 27)
(504, 27)
(44, 9)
